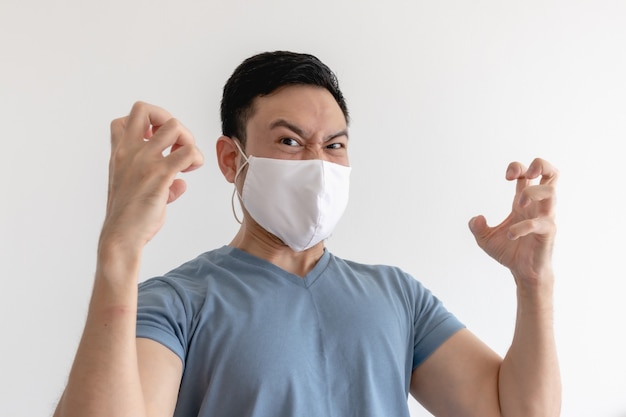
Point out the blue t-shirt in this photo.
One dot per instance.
(258, 341)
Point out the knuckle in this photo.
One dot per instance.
(117, 126)
(119, 156)
(138, 106)
(174, 124)
(116, 123)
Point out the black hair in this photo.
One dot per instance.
(264, 73)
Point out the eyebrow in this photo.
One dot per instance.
(300, 132)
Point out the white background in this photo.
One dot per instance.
(443, 95)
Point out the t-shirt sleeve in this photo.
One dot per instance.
(162, 316)
(433, 325)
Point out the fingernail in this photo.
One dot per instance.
(510, 172)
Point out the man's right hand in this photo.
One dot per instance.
(142, 175)
(114, 374)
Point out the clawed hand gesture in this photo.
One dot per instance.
(523, 242)
(142, 174)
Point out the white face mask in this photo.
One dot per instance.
(299, 201)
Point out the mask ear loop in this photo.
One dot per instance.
(235, 191)
(232, 205)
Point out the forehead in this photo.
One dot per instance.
(309, 107)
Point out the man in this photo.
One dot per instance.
(273, 324)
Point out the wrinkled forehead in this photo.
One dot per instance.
(304, 106)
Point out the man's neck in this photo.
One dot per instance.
(266, 246)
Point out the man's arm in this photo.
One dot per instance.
(160, 372)
(464, 377)
(460, 379)
(530, 382)
(114, 374)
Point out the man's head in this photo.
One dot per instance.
(263, 74)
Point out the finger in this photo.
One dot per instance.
(196, 162)
(540, 167)
(516, 171)
(539, 226)
(172, 133)
(143, 117)
(536, 193)
(185, 159)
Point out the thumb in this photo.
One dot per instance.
(177, 188)
(478, 227)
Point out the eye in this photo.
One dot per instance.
(289, 142)
(335, 145)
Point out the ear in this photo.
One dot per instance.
(227, 157)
